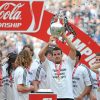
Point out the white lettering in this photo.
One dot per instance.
(13, 14)
(87, 51)
(79, 46)
(10, 25)
(84, 49)
(91, 62)
(90, 57)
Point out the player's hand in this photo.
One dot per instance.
(52, 41)
(79, 98)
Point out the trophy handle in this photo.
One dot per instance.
(68, 27)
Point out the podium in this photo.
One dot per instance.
(42, 96)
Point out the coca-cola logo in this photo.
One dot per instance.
(23, 16)
(13, 14)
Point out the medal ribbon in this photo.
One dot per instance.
(59, 69)
(75, 69)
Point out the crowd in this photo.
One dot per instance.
(84, 14)
(14, 42)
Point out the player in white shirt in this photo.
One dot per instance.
(94, 86)
(37, 74)
(33, 68)
(59, 72)
(41, 79)
(81, 80)
(7, 79)
(21, 85)
(96, 69)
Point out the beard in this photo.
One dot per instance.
(58, 62)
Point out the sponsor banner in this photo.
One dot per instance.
(21, 15)
(29, 17)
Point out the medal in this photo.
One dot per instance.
(58, 80)
(58, 72)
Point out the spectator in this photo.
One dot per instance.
(81, 80)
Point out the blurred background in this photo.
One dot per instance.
(85, 14)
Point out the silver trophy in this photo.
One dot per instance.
(59, 24)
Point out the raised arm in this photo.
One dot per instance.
(42, 52)
(72, 53)
(44, 49)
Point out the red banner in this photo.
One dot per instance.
(30, 18)
(21, 16)
(42, 96)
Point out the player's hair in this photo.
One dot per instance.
(30, 47)
(49, 51)
(78, 54)
(57, 48)
(24, 59)
(11, 59)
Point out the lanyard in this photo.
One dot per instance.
(98, 80)
(75, 69)
(59, 69)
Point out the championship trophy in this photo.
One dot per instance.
(59, 25)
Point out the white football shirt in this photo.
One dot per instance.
(20, 77)
(81, 79)
(37, 72)
(61, 86)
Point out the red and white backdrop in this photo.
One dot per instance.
(29, 17)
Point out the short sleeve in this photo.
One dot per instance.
(20, 74)
(33, 69)
(71, 62)
(87, 77)
(45, 64)
(41, 75)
